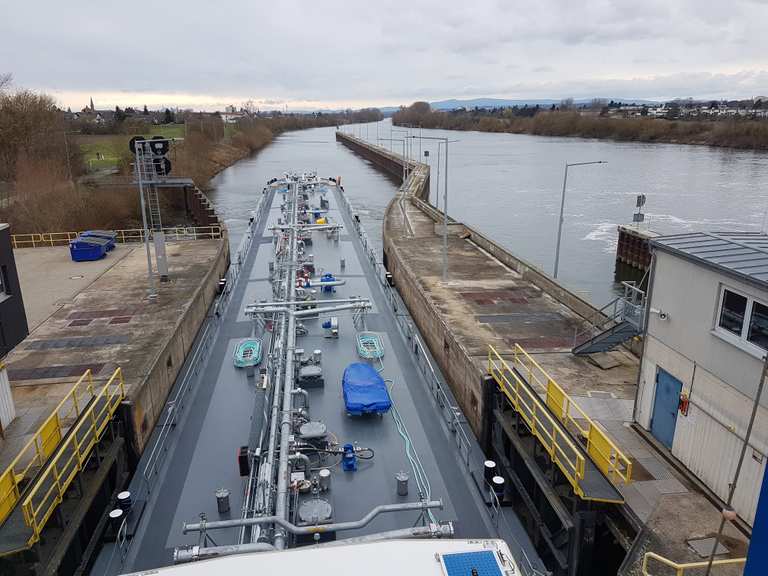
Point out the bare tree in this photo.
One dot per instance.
(5, 81)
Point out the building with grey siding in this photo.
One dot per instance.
(706, 338)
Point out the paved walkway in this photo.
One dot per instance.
(100, 321)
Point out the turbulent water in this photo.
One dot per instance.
(508, 186)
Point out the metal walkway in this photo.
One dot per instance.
(32, 501)
(573, 459)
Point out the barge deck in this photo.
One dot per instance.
(217, 408)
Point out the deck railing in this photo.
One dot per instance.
(43, 443)
(603, 451)
(681, 568)
(126, 236)
(48, 489)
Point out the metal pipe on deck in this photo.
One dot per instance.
(304, 458)
(304, 530)
(194, 553)
(281, 504)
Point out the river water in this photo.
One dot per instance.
(508, 186)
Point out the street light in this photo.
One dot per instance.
(443, 140)
(405, 175)
(562, 206)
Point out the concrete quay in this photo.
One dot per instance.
(492, 297)
(96, 315)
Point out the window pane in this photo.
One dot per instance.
(732, 314)
(758, 325)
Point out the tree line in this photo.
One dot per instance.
(563, 121)
(41, 163)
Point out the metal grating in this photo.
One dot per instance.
(47, 372)
(104, 313)
(121, 320)
(84, 342)
(80, 322)
(742, 253)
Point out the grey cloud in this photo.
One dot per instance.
(393, 50)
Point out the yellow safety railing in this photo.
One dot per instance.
(603, 451)
(126, 236)
(42, 444)
(49, 487)
(543, 426)
(680, 569)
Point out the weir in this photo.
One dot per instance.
(501, 331)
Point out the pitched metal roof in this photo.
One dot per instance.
(744, 254)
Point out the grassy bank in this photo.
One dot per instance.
(107, 199)
(742, 134)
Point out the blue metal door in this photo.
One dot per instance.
(665, 404)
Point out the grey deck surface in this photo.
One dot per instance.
(225, 411)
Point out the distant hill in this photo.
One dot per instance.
(452, 104)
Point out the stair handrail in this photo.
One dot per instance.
(633, 300)
(593, 326)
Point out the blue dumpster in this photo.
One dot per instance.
(105, 234)
(87, 249)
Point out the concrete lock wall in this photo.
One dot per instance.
(148, 396)
(462, 370)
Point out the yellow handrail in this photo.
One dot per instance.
(49, 488)
(603, 451)
(681, 568)
(49, 239)
(43, 442)
(546, 429)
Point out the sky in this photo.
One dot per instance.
(336, 54)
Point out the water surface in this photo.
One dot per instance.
(508, 186)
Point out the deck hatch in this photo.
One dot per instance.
(482, 563)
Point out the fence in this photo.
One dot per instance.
(450, 412)
(603, 451)
(175, 406)
(127, 236)
(48, 489)
(681, 569)
(43, 443)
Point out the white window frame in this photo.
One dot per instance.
(739, 340)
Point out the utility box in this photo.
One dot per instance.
(7, 407)
(160, 258)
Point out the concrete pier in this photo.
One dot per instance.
(633, 248)
(96, 315)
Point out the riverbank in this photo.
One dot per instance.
(739, 134)
(107, 199)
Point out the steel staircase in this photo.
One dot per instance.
(619, 321)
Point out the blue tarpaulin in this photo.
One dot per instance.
(365, 392)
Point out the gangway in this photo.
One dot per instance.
(583, 466)
(30, 499)
(560, 470)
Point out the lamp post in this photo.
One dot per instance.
(402, 140)
(562, 206)
(443, 140)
